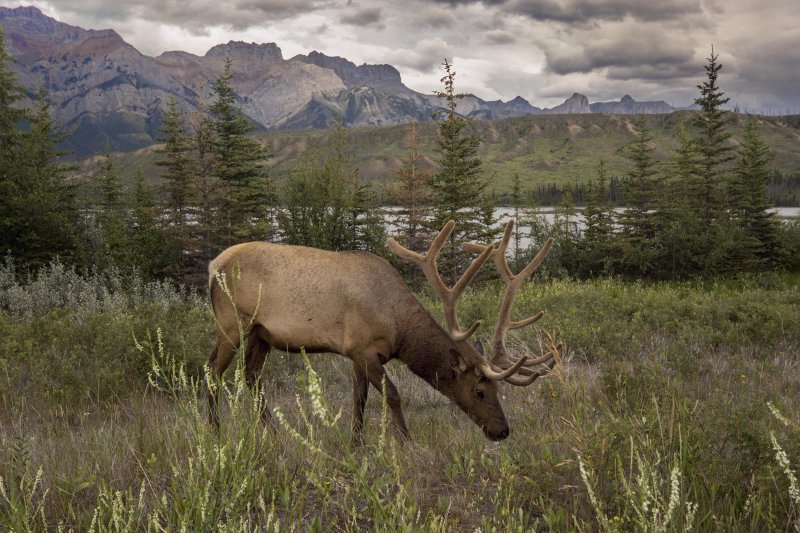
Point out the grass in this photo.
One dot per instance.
(675, 408)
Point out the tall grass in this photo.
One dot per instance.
(675, 409)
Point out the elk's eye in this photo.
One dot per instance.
(480, 393)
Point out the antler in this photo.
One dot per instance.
(449, 297)
(504, 322)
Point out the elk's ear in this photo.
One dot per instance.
(479, 347)
(458, 362)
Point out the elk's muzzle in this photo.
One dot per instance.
(496, 432)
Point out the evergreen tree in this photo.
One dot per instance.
(598, 214)
(539, 229)
(712, 144)
(638, 222)
(176, 164)
(47, 214)
(459, 183)
(152, 251)
(239, 160)
(682, 237)
(111, 217)
(750, 206)
(206, 194)
(517, 204)
(11, 115)
(327, 206)
(566, 234)
(714, 157)
(411, 190)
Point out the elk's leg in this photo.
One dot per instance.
(254, 356)
(378, 377)
(221, 357)
(360, 390)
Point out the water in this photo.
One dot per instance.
(504, 214)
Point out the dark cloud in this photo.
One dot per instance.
(198, 19)
(368, 16)
(581, 11)
(434, 17)
(766, 75)
(623, 49)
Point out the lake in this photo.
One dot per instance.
(503, 214)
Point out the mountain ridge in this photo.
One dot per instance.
(105, 91)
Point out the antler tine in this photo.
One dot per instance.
(526, 369)
(524, 382)
(513, 283)
(489, 371)
(448, 296)
(527, 375)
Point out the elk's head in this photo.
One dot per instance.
(473, 383)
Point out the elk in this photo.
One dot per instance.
(356, 304)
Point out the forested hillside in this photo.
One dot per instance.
(542, 149)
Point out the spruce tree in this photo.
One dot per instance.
(411, 191)
(683, 236)
(460, 182)
(239, 164)
(517, 205)
(758, 249)
(152, 250)
(11, 115)
(47, 209)
(111, 216)
(327, 206)
(206, 194)
(566, 234)
(598, 214)
(176, 164)
(715, 154)
(638, 223)
(714, 151)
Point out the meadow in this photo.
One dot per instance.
(674, 408)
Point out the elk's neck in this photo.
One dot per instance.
(425, 350)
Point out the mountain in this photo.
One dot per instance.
(629, 106)
(105, 92)
(575, 104)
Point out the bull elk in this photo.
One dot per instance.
(356, 304)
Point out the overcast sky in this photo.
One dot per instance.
(542, 50)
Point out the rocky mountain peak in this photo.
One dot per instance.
(240, 50)
(577, 103)
(628, 106)
(26, 12)
(385, 78)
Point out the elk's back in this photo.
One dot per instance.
(305, 297)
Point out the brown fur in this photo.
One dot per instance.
(351, 303)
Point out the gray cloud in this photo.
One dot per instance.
(427, 56)
(626, 47)
(368, 16)
(203, 14)
(543, 50)
(499, 37)
(434, 17)
(581, 11)
(466, 2)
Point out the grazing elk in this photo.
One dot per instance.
(357, 305)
